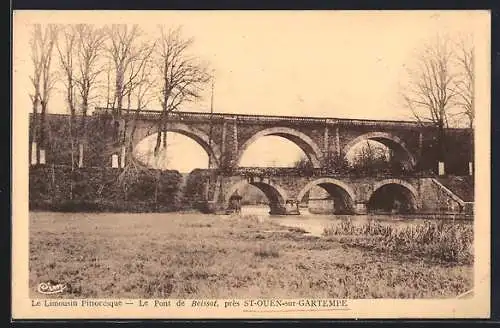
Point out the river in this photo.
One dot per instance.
(316, 223)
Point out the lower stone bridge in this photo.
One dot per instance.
(287, 193)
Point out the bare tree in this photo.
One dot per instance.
(90, 47)
(43, 78)
(80, 52)
(139, 85)
(431, 88)
(138, 82)
(36, 59)
(125, 52)
(66, 49)
(182, 77)
(465, 82)
(108, 84)
(139, 89)
(465, 85)
(48, 78)
(121, 52)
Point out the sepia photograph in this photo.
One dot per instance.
(259, 162)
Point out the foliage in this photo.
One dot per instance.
(252, 195)
(265, 252)
(374, 158)
(59, 188)
(440, 240)
(196, 185)
(335, 164)
(304, 165)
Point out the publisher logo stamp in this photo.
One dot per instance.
(49, 288)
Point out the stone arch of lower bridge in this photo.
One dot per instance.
(304, 142)
(391, 141)
(276, 195)
(391, 195)
(341, 194)
(200, 137)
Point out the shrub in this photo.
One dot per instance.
(252, 218)
(440, 240)
(297, 230)
(195, 189)
(97, 189)
(345, 227)
(267, 252)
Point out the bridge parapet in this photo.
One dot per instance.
(252, 118)
(319, 172)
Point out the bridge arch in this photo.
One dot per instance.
(342, 194)
(304, 142)
(200, 137)
(391, 141)
(390, 194)
(276, 195)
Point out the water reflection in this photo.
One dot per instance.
(315, 223)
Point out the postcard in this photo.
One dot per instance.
(251, 164)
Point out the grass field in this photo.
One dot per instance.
(198, 256)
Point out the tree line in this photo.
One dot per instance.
(118, 63)
(124, 66)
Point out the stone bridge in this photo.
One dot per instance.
(325, 141)
(225, 137)
(346, 195)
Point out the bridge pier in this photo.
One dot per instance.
(277, 210)
(291, 207)
(361, 208)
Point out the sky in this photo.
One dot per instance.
(300, 63)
